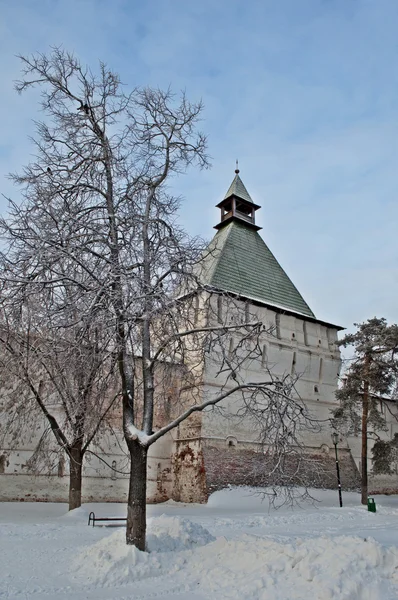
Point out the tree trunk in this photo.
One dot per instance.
(75, 475)
(364, 452)
(136, 503)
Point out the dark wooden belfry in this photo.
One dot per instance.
(237, 205)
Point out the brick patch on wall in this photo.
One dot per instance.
(232, 466)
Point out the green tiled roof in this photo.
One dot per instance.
(238, 261)
(237, 188)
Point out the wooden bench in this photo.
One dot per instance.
(93, 519)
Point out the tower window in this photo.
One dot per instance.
(244, 208)
(247, 312)
(278, 325)
(264, 356)
(320, 369)
(196, 310)
(293, 363)
(305, 331)
(219, 309)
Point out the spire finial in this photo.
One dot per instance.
(237, 167)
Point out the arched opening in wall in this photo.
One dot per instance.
(3, 459)
(232, 442)
(113, 476)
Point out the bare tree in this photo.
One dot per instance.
(101, 170)
(56, 363)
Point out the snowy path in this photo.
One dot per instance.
(231, 548)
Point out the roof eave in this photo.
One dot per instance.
(235, 218)
(251, 203)
(279, 309)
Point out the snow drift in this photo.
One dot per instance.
(111, 561)
(253, 567)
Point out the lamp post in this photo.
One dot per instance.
(335, 439)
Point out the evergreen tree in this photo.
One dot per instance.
(370, 379)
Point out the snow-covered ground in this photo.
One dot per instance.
(234, 547)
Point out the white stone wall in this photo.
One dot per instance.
(105, 476)
(295, 346)
(291, 344)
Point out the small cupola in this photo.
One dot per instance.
(237, 205)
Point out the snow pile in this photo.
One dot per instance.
(250, 567)
(77, 515)
(167, 534)
(110, 561)
(322, 569)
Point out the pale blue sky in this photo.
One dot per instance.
(303, 92)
